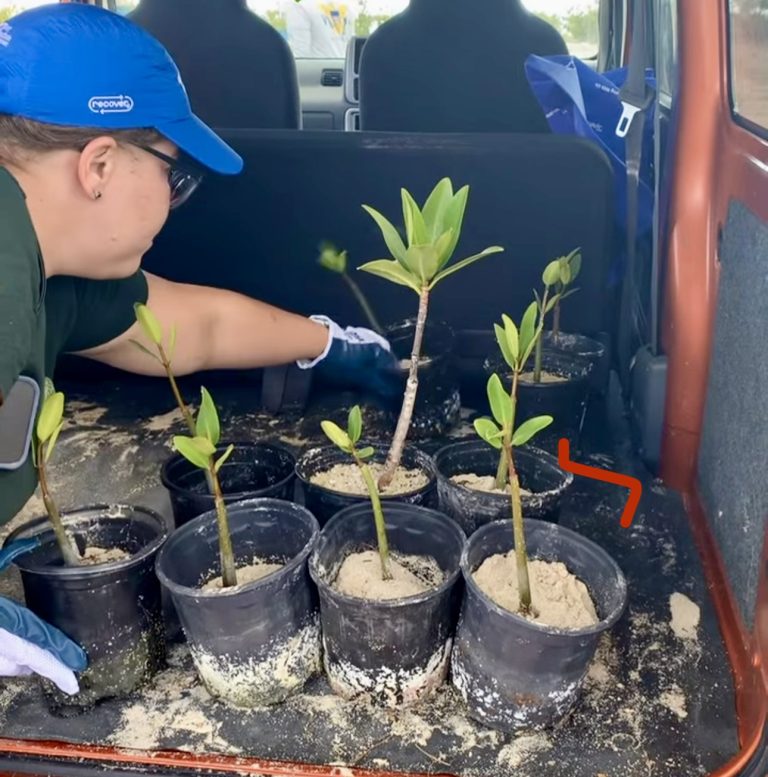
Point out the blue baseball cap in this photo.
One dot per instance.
(82, 66)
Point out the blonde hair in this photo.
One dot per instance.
(22, 138)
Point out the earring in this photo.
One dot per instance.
(97, 195)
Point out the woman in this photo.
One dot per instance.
(97, 143)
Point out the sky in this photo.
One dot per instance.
(386, 6)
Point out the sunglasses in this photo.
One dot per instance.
(183, 176)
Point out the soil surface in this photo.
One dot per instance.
(546, 377)
(245, 574)
(558, 598)
(94, 555)
(484, 483)
(347, 479)
(360, 576)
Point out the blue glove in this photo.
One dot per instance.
(358, 358)
(28, 645)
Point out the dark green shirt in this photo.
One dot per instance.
(40, 320)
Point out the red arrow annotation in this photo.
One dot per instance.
(633, 484)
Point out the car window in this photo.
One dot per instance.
(321, 29)
(749, 61)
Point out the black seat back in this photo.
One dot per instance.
(238, 70)
(454, 66)
(538, 196)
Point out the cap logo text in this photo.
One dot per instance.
(120, 103)
(5, 34)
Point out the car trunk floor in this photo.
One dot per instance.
(658, 699)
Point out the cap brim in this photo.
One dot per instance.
(200, 142)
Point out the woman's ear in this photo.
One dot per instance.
(96, 166)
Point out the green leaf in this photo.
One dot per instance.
(528, 331)
(365, 453)
(567, 294)
(355, 424)
(551, 274)
(464, 263)
(391, 237)
(530, 428)
(512, 335)
(422, 260)
(224, 456)
(415, 227)
(172, 342)
(551, 302)
(565, 272)
(196, 450)
(337, 435)
(392, 271)
(145, 350)
(501, 339)
(442, 247)
(574, 261)
(50, 416)
(489, 432)
(51, 444)
(149, 323)
(208, 419)
(333, 260)
(500, 401)
(436, 207)
(454, 215)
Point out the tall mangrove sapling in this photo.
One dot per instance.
(432, 233)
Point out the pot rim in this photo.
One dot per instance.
(92, 570)
(236, 495)
(196, 525)
(379, 447)
(387, 604)
(538, 453)
(598, 628)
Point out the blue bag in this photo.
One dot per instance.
(579, 101)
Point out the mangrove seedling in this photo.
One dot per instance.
(347, 441)
(432, 233)
(570, 267)
(153, 331)
(199, 449)
(335, 261)
(500, 432)
(516, 346)
(557, 276)
(49, 425)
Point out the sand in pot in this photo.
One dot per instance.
(95, 555)
(485, 483)
(360, 576)
(559, 598)
(347, 479)
(249, 573)
(546, 377)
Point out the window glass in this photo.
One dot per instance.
(749, 60)
(321, 29)
(575, 20)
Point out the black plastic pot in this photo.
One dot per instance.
(285, 389)
(473, 347)
(324, 503)
(111, 610)
(565, 401)
(254, 470)
(538, 471)
(438, 402)
(512, 673)
(394, 652)
(257, 643)
(594, 351)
